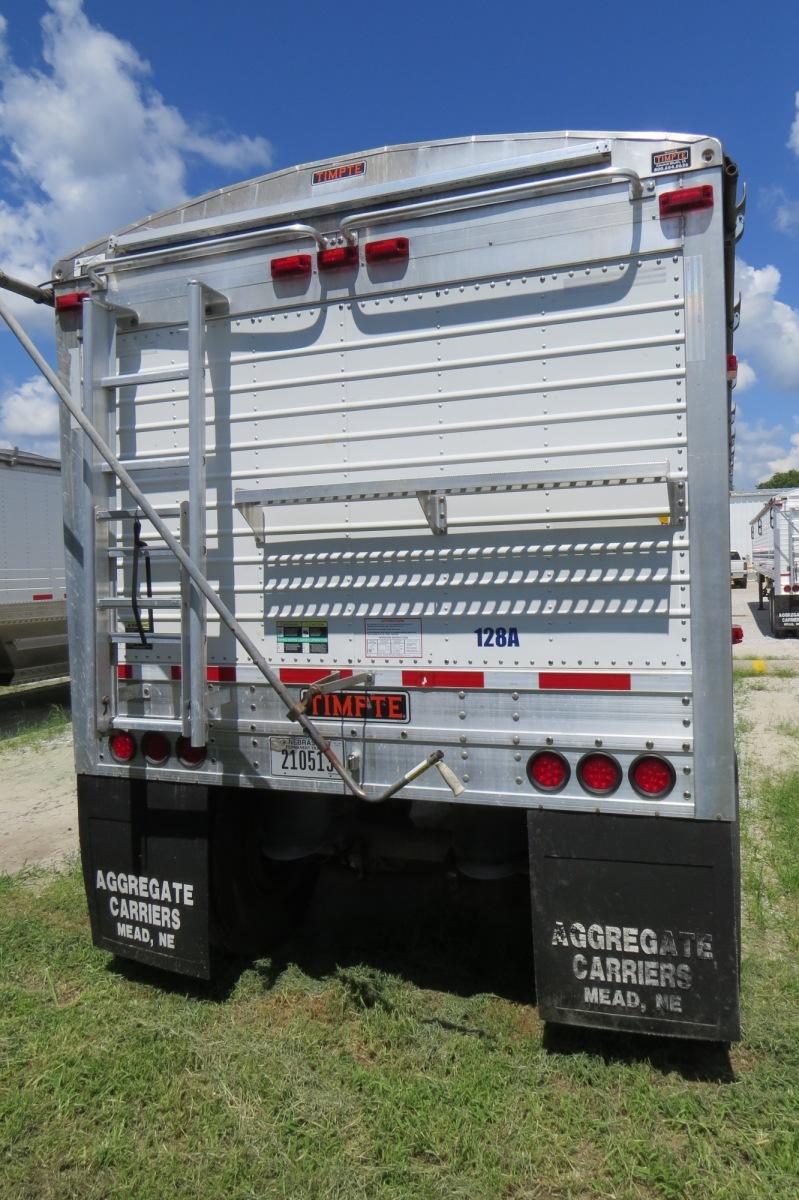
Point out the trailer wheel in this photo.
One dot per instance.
(777, 630)
(256, 901)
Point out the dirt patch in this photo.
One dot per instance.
(767, 726)
(38, 809)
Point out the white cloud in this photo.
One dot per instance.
(789, 460)
(88, 144)
(745, 377)
(29, 416)
(757, 448)
(769, 329)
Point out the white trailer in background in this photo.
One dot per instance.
(33, 608)
(775, 560)
(430, 448)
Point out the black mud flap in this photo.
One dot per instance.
(636, 923)
(144, 847)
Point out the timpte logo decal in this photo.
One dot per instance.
(639, 970)
(360, 706)
(342, 171)
(671, 160)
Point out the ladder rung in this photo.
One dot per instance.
(135, 379)
(162, 724)
(145, 602)
(133, 639)
(164, 463)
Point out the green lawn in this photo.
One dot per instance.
(289, 1080)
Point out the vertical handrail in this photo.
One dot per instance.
(98, 341)
(198, 721)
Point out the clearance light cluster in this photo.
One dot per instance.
(650, 776)
(156, 749)
(337, 258)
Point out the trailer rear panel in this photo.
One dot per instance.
(449, 434)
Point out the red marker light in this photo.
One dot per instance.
(548, 771)
(685, 200)
(388, 250)
(337, 257)
(293, 266)
(738, 634)
(155, 748)
(652, 777)
(70, 300)
(599, 774)
(123, 746)
(124, 670)
(190, 756)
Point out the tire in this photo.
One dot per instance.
(256, 902)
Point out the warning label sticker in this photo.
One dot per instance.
(671, 160)
(393, 637)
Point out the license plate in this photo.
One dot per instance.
(298, 756)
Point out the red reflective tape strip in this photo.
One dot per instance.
(221, 674)
(309, 674)
(43, 596)
(443, 679)
(124, 671)
(175, 672)
(583, 681)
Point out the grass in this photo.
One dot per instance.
(35, 729)
(755, 668)
(347, 1080)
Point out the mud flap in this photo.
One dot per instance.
(144, 847)
(636, 923)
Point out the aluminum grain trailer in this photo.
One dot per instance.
(775, 560)
(33, 607)
(397, 518)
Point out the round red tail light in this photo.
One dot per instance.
(548, 771)
(652, 777)
(155, 748)
(190, 756)
(599, 774)
(123, 746)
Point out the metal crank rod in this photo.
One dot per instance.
(202, 584)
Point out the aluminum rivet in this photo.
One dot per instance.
(464, 753)
(517, 756)
(515, 739)
(515, 716)
(461, 695)
(461, 716)
(686, 770)
(550, 741)
(518, 779)
(597, 741)
(465, 778)
(686, 795)
(650, 745)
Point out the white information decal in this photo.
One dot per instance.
(630, 968)
(145, 909)
(393, 637)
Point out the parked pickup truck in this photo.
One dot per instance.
(737, 570)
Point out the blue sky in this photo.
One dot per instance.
(109, 111)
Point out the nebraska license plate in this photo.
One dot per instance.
(298, 756)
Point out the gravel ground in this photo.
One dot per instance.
(758, 642)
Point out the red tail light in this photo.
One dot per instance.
(548, 771)
(737, 634)
(599, 774)
(337, 257)
(124, 670)
(190, 756)
(389, 250)
(70, 300)
(291, 267)
(155, 748)
(685, 200)
(123, 746)
(732, 368)
(652, 777)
